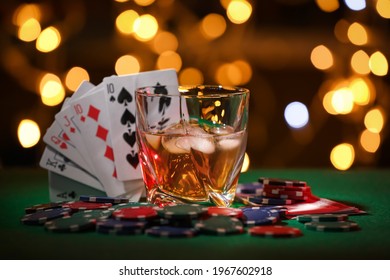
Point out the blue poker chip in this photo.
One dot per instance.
(41, 217)
(104, 199)
(271, 201)
(171, 231)
(120, 224)
(255, 216)
(255, 188)
(116, 231)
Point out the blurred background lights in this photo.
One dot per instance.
(378, 64)
(165, 41)
(342, 156)
(328, 5)
(144, 2)
(169, 59)
(357, 34)
(360, 62)
(361, 91)
(127, 64)
(239, 11)
(383, 8)
(145, 27)
(245, 164)
(51, 90)
(213, 26)
(75, 76)
(125, 21)
(296, 114)
(25, 12)
(191, 76)
(343, 101)
(48, 40)
(28, 133)
(327, 103)
(356, 5)
(341, 30)
(370, 141)
(29, 30)
(321, 57)
(374, 120)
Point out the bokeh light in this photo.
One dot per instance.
(378, 64)
(165, 41)
(356, 5)
(296, 114)
(125, 21)
(75, 76)
(342, 156)
(341, 30)
(370, 141)
(361, 91)
(239, 11)
(127, 64)
(191, 76)
(51, 89)
(245, 164)
(48, 40)
(28, 133)
(145, 27)
(169, 59)
(29, 30)
(213, 26)
(360, 62)
(328, 5)
(383, 8)
(343, 100)
(357, 34)
(25, 12)
(144, 2)
(321, 57)
(374, 120)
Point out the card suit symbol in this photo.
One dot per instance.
(109, 153)
(130, 138)
(101, 132)
(112, 98)
(82, 118)
(62, 167)
(72, 194)
(160, 89)
(133, 159)
(163, 103)
(93, 112)
(127, 118)
(63, 146)
(72, 129)
(124, 97)
(62, 195)
(65, 137)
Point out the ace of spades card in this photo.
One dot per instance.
(120, 100)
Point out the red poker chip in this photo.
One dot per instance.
(273, 188)
(224, 211)
(135, 213)
(275, 231)
(82, 205)
(297, 195)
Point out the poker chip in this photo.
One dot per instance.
(322, 218)
(131, 204)
(70, 224)
(135, 213)
(281, 182)
(280, 189)
(332, 226)
(220, 225)
(120, 224)
(182, 211)
(170, 231)
(297, 195)
(43, 206)
(275, 231)
(82, 205)
(271, 201)
(115, 231)
(253, 216)
(41, 217)
(103, 199)
(250, 188)
(94, 215)
(224, 211)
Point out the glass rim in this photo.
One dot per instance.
(184, 91)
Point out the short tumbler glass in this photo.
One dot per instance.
(192, 142)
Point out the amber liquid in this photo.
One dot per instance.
(188, 164)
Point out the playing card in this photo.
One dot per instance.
(92, 120)
(57, 163)
(121, 107)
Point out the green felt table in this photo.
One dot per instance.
(367, 189)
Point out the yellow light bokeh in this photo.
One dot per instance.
(228, 74)
(145, 27)
(357, 34)
(239, 11)
(343, 101)
(125, 21)
(327, 103)
(75, 76)
(169, 59)
(328, 5)
(224, 3)
(25, 12)
(360, 62)
(245, 164)
(48, 40)
(245, 69)
(321, 57)
(213, 26)
(341, 30)
(51, 90)
(29, 30)
(342, 156)
(361, 91)
(370, 141)
(165, 41)
(191, 76)
(144, 2)
(127, 64)
(28, 133)
(383, 8)
(378, 64)
(374, 120)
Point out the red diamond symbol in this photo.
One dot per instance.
(65, 136)
(101, 132)
(72, 130)
(93, 112)
(109, 153)
(82, 119)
